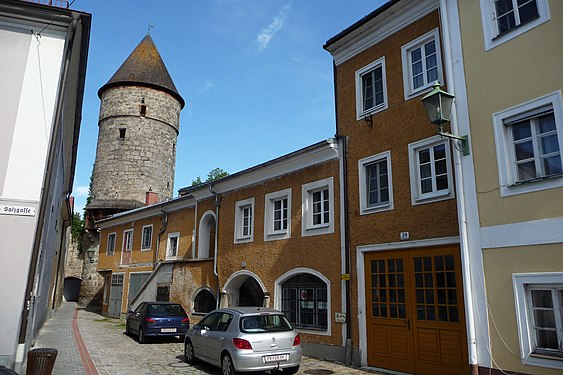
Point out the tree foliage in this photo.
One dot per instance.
(77, 226)
(214, 174)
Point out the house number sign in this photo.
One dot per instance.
(340, 317)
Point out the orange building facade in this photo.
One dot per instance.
(267, 236)
(404, 234)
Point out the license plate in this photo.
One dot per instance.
(168, 330)
(275, 358)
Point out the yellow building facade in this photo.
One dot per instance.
(513, 80)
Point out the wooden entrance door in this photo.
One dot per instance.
(415, 312)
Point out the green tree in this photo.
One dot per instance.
(197, 181)
(77, 226)
(214, 174)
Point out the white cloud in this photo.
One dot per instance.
(208, 86)
(80, 191)
(267, 34)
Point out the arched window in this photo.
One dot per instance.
(204, 302)
(304, 301)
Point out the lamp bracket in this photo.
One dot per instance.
(462, 141)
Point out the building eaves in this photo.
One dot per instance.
(146, 211)
(208, 186)
(359, 23)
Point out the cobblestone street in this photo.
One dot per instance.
(114, 353)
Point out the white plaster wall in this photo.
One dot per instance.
(24, 174)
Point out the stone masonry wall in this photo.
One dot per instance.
(144, 158)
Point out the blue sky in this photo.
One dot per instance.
(256, 80)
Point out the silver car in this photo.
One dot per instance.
(244, 339)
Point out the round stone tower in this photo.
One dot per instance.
(138, 127)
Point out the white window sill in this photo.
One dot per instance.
(420, 91)
(433, 197)
(372, 111)
(375, 209)
(244, 239)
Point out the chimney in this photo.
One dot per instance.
(151, 197)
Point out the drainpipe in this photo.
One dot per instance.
(215, 270)
(464, 240)
(47, 179)
(343, 144)
(163, 227)
(347, 255)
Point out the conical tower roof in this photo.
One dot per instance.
(144, 67)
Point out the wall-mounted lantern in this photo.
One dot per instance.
(438, 105)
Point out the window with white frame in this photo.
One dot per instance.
(110, 250)
(277, 215)
(529, 139)
(318, 207)
(376, 188)
(371, 89)
(422, 63)
(244, 221)
(146, 238)
(539, 312)
(127, 240)
(506, 19)
(430, 170)
(172, 245)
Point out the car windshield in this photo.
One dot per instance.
(264, 323)
(166, 310)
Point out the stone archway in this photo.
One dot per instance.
(244, 288)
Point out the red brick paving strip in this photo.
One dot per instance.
(82, 349)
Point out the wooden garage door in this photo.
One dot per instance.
(415, 312)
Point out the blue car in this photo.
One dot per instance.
(157, 319)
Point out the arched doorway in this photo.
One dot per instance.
(206, 243)
(243, 288)
(250, 293)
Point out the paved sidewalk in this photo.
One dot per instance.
(98, 346)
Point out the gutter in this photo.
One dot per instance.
(463, 227)
(163, 227)
(47, 179)
(216, 247)
(343, 144)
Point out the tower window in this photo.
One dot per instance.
(122, 132)
(143, 110)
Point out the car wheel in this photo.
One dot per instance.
(142, 338)
(291, 370)
(189, 352)
(227, 365)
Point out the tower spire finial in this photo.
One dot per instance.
(149, 28)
